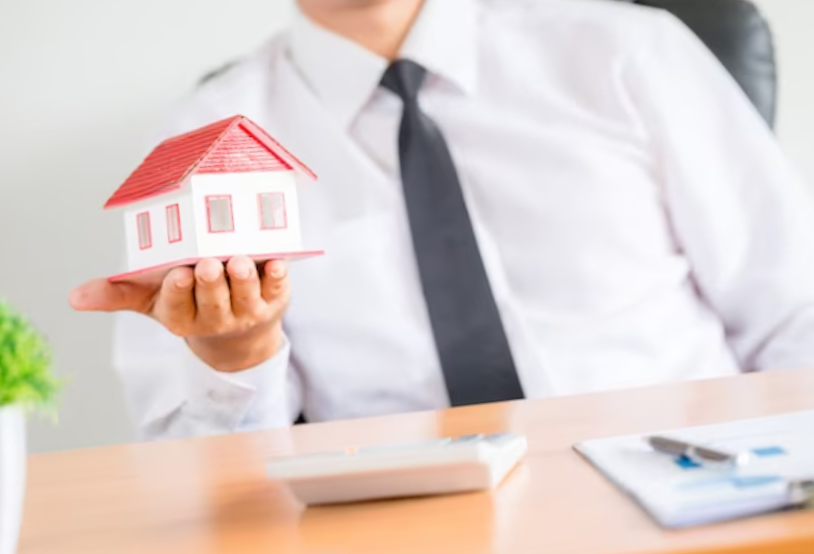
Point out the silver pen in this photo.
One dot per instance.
(698, 453)
(801, 493)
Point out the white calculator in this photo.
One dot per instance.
(441, 466)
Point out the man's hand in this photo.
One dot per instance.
(230, 317)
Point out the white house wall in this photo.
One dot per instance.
(247, 237)
(161, 251)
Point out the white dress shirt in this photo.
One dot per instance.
(637, 220)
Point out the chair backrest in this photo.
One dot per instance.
(736, 32)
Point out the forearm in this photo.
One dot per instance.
(173, 393)
(258, 397)
(740, 213)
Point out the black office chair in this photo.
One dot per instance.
(736, 32)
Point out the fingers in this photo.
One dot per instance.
(175, 305)
(213, 299)
(100, 295)
(197, 302)
(274, 284)
(245, 286)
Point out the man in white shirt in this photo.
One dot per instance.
(636, 219)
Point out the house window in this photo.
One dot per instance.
(173, 223)
(219, 209)
(272, 210)
(145, 238)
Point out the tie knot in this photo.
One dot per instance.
(404, 78)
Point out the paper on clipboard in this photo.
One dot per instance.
(679, 493)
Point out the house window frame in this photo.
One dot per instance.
(175, 209)
(149, 228)
(263, 226)
(228, 197)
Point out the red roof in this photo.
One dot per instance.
(232, 145)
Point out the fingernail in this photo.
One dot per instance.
(278, 270)
(241, 272)
(183, 283)
(207, 277)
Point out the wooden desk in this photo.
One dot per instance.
(211, 495)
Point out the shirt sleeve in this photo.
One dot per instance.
(171, 393)
(740, 213)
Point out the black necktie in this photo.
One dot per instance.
(472, 345)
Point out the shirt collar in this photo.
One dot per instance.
(344, 75)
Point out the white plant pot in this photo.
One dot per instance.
(12, 476)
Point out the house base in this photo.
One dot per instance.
(192, 261)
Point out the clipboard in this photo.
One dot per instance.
(677, 491)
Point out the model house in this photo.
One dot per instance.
(225, 189)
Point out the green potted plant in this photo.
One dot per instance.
(26, 384)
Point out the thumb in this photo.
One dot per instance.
(100, 295)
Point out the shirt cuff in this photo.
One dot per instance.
(219, 402)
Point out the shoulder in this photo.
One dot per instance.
(240, 86)
(602, 26)
(613, 15)
(233, 75)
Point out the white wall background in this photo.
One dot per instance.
(82, 84)
(795, 45)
